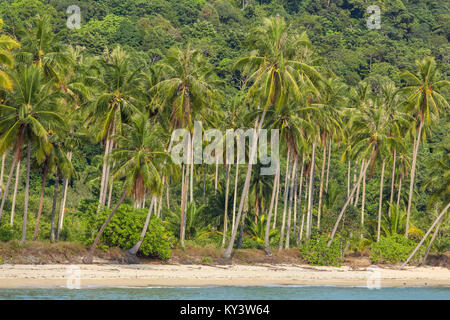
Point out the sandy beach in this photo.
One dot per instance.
(13, 276)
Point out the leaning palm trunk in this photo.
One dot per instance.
(363, 200)
(413, 173)
(41, 201)
(27, 194)
(105, 163)
(111, 186)
(310, 196)
(357, 189)
(55, 199)
(217, 174)
(299, 213)
(380, 202)
(319, 209)
(399, 192)
(291, 198)
(137, 246)
(391, 199)
(427, 252)
(8, 182)
(286, 193)
(227, 253)
(89, 257)
(348, 178)
(2, 171)
(328, 165)
(183, 201)
(336, 225)
(441, 215)
(276, 200)
(355, 170)
(269, 217)
(225, 217)
(16, 187)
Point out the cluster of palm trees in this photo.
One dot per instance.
(56, 94)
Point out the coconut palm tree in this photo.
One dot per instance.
(185, 93)
(137, 162)
(423, 99)
(274, 71)
(117, 100)
(29, 113)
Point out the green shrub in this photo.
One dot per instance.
(250, 243)
(317, 253)
(393, 249)
(6, 232)
(125, 228)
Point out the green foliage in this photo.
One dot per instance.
(6, 232)
(393, 249)
(317, 253)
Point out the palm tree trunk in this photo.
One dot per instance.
(62, 207)
(89, 256)
(348, 178)
(225, 218)
(16, 187)
(137, 246)
(191, 189)
(399, 192)
(105, 163)
(269, 217)
(160, 199)
(391, 199)
(363, 200)
(183, 201)
(286, 193)
(235, 188)
(41, 200)
(216, 175)
(436, 231)
(300, 200)
(380, 202)
(276, 200)
(319, 209)
(310, 197)
(27, 194)
(413, 173)
(328, 165)
(55, 199)
(2, 170)
(291, 199)
(346, 204)
(305, 209)
(227, 253)
(204, 185)
(355, 170)
(8, 182)
(111, 186)
(441, 215)
(357, 189)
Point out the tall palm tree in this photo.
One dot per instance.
(29, 112)
(184, 94)
(274, 72)
(117, 100)
(423, 99)
(137, 161)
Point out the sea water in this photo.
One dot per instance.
(288, 292)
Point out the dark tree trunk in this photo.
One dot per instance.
(55, 200)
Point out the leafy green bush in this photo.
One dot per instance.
(317, 253)
(393, 249)
(125, 228)
(250, 243)
(6, 232)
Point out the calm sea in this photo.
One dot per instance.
(228, 293)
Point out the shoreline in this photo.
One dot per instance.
(108, 275)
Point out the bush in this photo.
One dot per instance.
(6, 232)
(393, 249)
(125, 228)
(317, 253)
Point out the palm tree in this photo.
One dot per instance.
(185, 93)
(274, 72)
(118, 87)
(6, 58)
(137, 163)
(422, 100)
(29, 113)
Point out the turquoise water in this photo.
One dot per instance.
(228, 293)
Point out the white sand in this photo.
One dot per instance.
(12, 276)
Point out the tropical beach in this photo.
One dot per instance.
(266, 148)
(16, 276)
